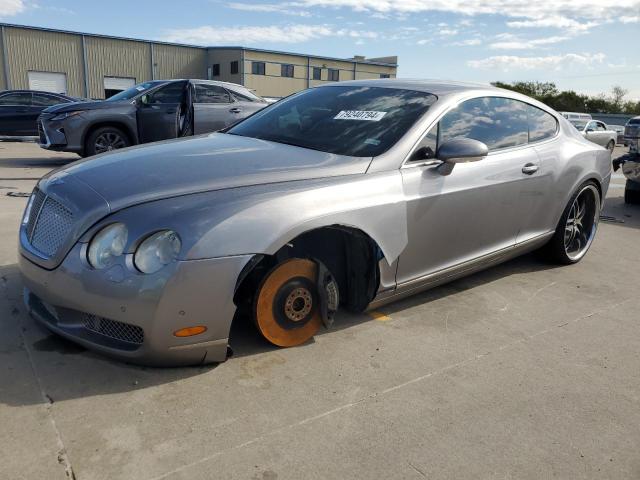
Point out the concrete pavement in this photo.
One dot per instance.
(525, 370)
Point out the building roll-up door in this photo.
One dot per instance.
(113, 85)
(48, 82)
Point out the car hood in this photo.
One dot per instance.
(199, 164)
(77, 106)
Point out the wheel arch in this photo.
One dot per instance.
(132, 136)
(349, 253)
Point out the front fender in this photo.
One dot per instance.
(261, 219)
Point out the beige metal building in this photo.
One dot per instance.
(97, 66)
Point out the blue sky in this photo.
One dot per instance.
(579, 44)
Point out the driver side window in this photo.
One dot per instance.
(172, 93)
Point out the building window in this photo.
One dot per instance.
(234, 67)
(257, 68)
(334, 75)
(317, 73)
(385, 75)
(286, 70)
(216, 70)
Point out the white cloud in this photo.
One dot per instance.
(541, 9)
(467, 43)
(448, 31)
(568, 24)
(208, 35)
(635, 19)
(9, 8)
(551, 62)
(526, 44)
(284, 8)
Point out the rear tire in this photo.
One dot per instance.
(577, 226)
(106, 139)
(286, 307)
(631, 195)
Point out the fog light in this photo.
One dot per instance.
(190, 331)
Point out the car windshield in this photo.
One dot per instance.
(133, 91)
(634, 121)
(358, 121)
(578, 124)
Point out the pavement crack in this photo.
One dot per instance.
(63, 458)
(393, 388)
(417, 469)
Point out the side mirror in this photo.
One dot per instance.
(589, 130)
(460, 150)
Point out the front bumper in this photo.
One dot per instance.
(131, 316)
(60, 135)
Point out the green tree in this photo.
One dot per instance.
(570, 101)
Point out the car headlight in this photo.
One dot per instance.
(156, 251)
(27, 210)
(107, 245)
(62, 116)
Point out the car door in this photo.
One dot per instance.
(593, 134)
(214, 108)
(458, 214)
(17, 115)
(247, 103)
(602, 132)
(160, 113)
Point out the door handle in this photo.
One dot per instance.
(530, 168)
(235, 110)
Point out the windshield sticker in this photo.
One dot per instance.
(140, 88)
(368, 116)
(372, 141)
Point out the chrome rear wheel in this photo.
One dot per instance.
(582, 222)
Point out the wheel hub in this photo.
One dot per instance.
(298, 304)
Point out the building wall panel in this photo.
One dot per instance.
(36, 50)
(224, 57)
(116, 58)
(179, 62)
(275, 86)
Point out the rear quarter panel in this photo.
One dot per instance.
(572, 160)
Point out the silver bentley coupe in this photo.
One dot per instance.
(348, 195)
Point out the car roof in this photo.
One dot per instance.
(2, 92)
(439, 88)
(212, 82)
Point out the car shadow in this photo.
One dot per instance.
(66, 370)
(245, 340)
(31, 357)
(49, 162)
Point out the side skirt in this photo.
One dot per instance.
(440, 277)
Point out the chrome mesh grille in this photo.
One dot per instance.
(38, 200)
(52, 223)
(113, 329)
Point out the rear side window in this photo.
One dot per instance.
(497, 122)
(16, 99)
(211, 94)
(542, 125)
(47, 100)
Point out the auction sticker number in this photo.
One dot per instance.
(368, 116)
